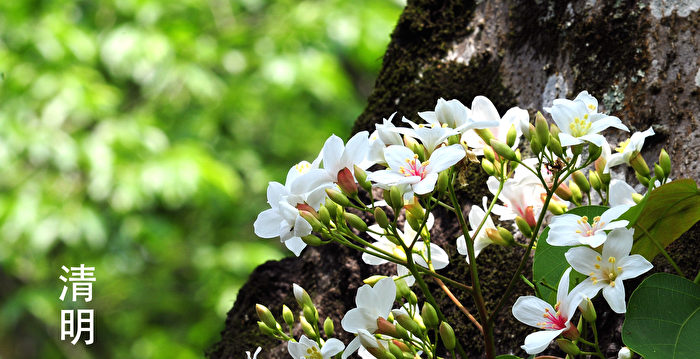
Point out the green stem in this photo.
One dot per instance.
(662, 250)
(489, 344)
(595, 338)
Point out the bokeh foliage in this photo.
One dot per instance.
(138, 136)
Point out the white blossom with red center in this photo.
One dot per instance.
(570, 230)
(405, 168)
(554, 321)
(607, 270)
(520, 197)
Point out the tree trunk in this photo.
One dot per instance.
(640, 59)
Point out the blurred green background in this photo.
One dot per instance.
(138, 136)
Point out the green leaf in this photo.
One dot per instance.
(663, 318)
(669, 212)
(549, 262)
(508, 356)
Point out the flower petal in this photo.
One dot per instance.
(529, 310)
(359, 318)
(267, 225)
(445, 157)
(296, 245)
(619, 243)
(426, 185)
(567, 140)
(582, 259)
(484, 110)
(615, 296)
(352, 347)
(332, 347)
(633, 266)
(332, 152)
(385, 292)
(537, 342)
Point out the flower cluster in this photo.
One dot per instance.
(404, 173)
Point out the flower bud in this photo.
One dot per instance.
(346, 182)
(415, 209)
(581, 181)
(395, 350)
(595, 180)
(332, 208)
(624, 353)
(411, 143)
(325, 216)
(665, 162)
(535, 145)
(518, 156)
(380, 217)
(572, 333)
(361, 177)
(412, 298)
(542, 129)
(640, 165)
(396, 198)
(594, 151)
(401, 345)
(337, 197)
(386, 328)
(310, 314)
(413, 221)
(489, 154)
(531, 132)
(402, 290)
(485, 134)
(287, 315)
(448, 336)
(636, 197)
(511, 136)
(524, 228)
(530, 216)
(403, 333)
(503, 150)
(554, 130)
(488, 167)
(563, 191)
(301, 296)
(576, 195)
(408, 323)
(328, 327)
(643, 180)
(312, 240)
(568, 347)
(313, 221)
(555, 146)
(265, 316)
(443, 180)
(556, 207)
(374, 279)
(658, 171)
(588, 310)
(265, 329)
(355, 222)
(307, 327)
(429, 315)
(577, 149)
(506, 235)
(386, 195)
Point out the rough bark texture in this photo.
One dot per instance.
(640, 58)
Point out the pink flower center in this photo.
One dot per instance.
(554, 321)
(414, 167)
(586, 229)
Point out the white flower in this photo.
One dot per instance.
(383, 136)
(438, 256)
(621, 193)
(406, 168)
(430, 135)
(624, 353)
(606, 271)
(628, 149)
(255, 356)
(476, 215)
(372, 303)
(283, 219)
(536, 312)
(308, 349)
(570, 229)
(455, 115)
(580, 121)
(483, 111)
(521, 197)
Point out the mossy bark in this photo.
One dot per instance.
(639, 58)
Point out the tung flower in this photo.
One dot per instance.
(476, 215)
(255, 355)
(430, 135)
(579, 120)
(406, 168)
(570, 230)
(628, 149)
(372, 303)
(608, 269)
(484, 112)
(554, 321)
(308, 349)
